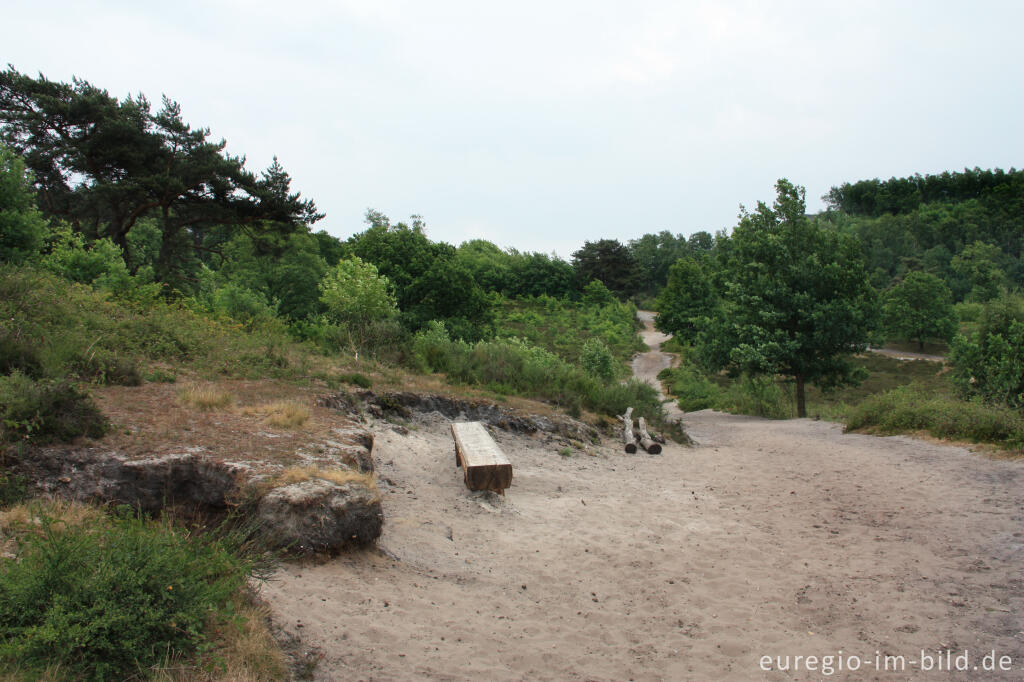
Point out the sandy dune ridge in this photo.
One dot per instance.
(769, 538)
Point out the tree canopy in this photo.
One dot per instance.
(793, 298)
(104, 164)
(919, 308)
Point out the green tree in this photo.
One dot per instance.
(979, 264)
(103, 165)
(794, 298)
(430, 282)
(687, 298)
(990, 363)
(611, 262)
(22, 226)
(920, 307)
(596, 294)
(355, 294)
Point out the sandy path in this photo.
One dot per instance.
(769, 538)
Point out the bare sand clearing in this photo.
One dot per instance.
(769, 538)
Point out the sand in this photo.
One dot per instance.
(768, 538)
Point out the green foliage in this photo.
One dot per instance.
(109, 601)
(13, 488)
(909, 408)
(924, 223)
(793, 298)
(355, 294)
(105, 165)
(979, 265)
(611, 262)
(430, 282)
(68, 324)
(596, 294)
(990, 363)
(654, 254)
(512, 273)
(685, 301)
(760, 396)
(920, 308)
(46, 411)
(597, 360)
(563, 327)
(515, 366)
(693, 390)
(355, 379)
(22, 226)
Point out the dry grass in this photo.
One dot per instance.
(244, 653)
(206, 397)
(282, 414)
(339, 476)
(26, 517)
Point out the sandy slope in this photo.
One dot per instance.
(768, 538)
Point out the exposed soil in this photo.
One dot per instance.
(769, 538)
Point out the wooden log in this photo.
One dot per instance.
(627, 430)
(484, 465)
(646, 441)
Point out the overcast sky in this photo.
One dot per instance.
(541, 124)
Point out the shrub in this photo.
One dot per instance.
(597, 360)
(759, 396)
(47, 411)
(990, 363)
(13, 489)
(693, 390)
(355, 379)
(909, 408)
(17, 353)
(108, 600)
(105, 368)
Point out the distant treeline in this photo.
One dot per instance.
(953, 225)
(894, 196)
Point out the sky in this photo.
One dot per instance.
(539, 125)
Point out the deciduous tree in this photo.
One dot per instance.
(794, 298)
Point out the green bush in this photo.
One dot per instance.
(909, 408)
(597, 360)
(13, 489)
(692, 389)
(355, 379)
(759, 396)
(46, 411)
(105, 368)
(108, 601)
(515, 366)
(19, 354)
(990, 363)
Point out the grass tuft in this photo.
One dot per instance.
(340, 476)
(206, 398)
(286, 414)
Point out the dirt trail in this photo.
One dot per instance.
(770, 538)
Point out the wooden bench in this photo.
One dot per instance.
(484, 465)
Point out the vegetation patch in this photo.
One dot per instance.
(334, 475)
(910, 408)
(116, 596)
(286, 414)
(45, 411)
(206, 398)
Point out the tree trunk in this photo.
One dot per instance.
(801, 403)
(920, 345)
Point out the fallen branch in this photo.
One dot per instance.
(627, 430)
(646, 441)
